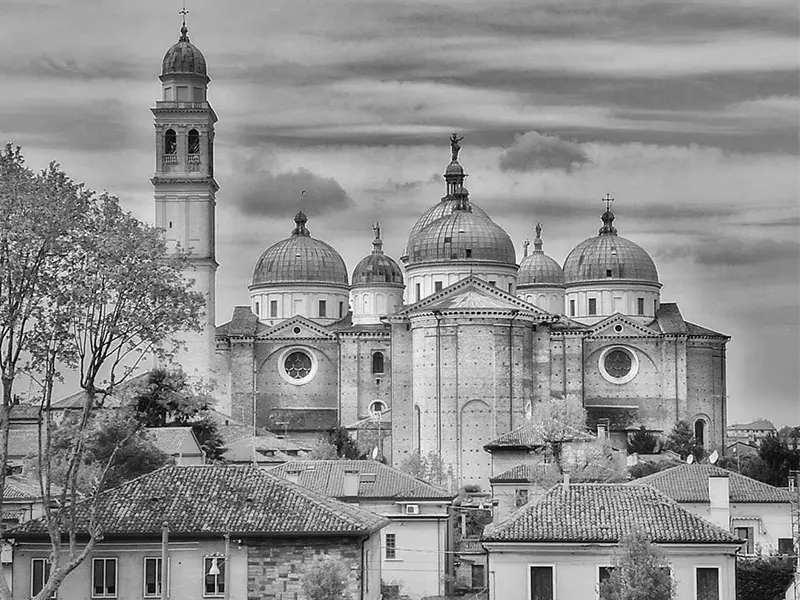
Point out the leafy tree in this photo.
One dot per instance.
(641, 572)
(764, 577)
(557, 422)
(648, 468)
(429, 468)
(346, 447)
(84, 286)
(167, 399)
(324, 450)
(779, 459)
(681, 441)
(326, 579)
(642, 441)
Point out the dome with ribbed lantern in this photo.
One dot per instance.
(184, 58)
(300, 258)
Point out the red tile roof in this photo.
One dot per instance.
(213, 500)
(327, 477)
(173, 440)
(519, 474)
(521, 437)
(601, 512)
(689, 483)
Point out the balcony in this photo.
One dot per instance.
(172, 104)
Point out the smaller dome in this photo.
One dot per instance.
(184, 58)
(377, 268)
(454, 168)
(609, 256)
(538, 267)
(300, 259)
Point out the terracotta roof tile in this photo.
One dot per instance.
(518, 474)
(213, 499)
(689, 483)
(327, 477)
(598, 512)
(171, 440)
(521, 437)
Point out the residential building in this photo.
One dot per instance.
(232, 532)
(266, 450)
(560, 547)
(750, 433)
(416, 551)
(179, 443)
(755, 511)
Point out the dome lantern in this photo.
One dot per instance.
(377, 289)
(541, 279)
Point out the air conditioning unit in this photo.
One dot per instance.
(412, 509)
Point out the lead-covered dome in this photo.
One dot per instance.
(300, 259)
(609, 256)
(377, 268)
(539, 268)
(462, 235)
(184, 58)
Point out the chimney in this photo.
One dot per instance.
(293, 475)
(719, 495)
(351, 483)
(566, 481)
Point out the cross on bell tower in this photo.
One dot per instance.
(608, 200)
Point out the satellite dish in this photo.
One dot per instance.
(528, 411)
(690, 459)
(375, 453)
(714, 457)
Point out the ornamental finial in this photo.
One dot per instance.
(184, 30)
(608, 218)
(455, 145)
(377, 243)
(537, 243)
(300, 220)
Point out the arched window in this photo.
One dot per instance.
(170, 142)
(377, 362)
(700, 432)
(194, 141)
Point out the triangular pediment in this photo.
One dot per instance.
(474, 294)
(295, 328)
(620, 326)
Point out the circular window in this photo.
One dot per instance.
(376, 409)
(297, 366)
(296, 330)
(618, 364)
(618, 328)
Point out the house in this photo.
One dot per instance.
(232, 532)
(741, 449)
(755, 511)
(417, 543)
(560, 547)
(179, 443)
(265, 450)
(752, 433)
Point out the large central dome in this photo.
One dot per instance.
(609, 256)
(300, 259)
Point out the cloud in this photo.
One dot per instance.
(263, 193)
(533, 151)
(735, 252)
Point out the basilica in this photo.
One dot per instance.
(444, 349)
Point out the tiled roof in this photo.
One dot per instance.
(689, 483)
(327, 477)
(76, 399)
(757, 424)
(21, 488)
(269, 449)
(214, 500)
(600, 512)
(518, 474)
(23, 442)
(669, 318)
(173, 440)
(521, 437)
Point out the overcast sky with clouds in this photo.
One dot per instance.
(687, 112)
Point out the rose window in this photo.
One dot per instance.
(298, 365)
(618, 363)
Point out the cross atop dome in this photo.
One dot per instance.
(184, 30)
(608, 218)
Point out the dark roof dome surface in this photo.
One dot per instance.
(462, 235)
(594, 258)
(300, 259)
(538, 267)
(184, 58)
(377, 268)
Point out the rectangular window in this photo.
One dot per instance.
(592, 306)
(707, 583)
(493, 283)
(273, 308)
(258, 309)
(213, 576)
(604, 574)
(391, 546)
(655, 307)
(40, 573)
(437, 286)
(468, 252)
(640, 306)
(572, 308)
(608, 272)
(510, 288)
(520, 498)
(785, 546)
(341, 309)
(183, 93)
(323, 306)
(478, 577)
(746, 533)
(104, 578)
(418, 292)
(198, 95)
(152, 577)
(541, 582)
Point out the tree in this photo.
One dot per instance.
(324, 450)
(84, 286)
(167, 399)
(642, 441)
(640, 572)
(429, 468)
(557, 422)
(681, 441)
(346, 447)
(326, 579)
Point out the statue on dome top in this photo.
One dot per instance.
(455, 146)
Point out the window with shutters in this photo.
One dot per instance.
(213, 576)
(541, 583)
(152, 576)
(40, 573)
(707, 583)
(104, 578)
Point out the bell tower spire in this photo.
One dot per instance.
(184, 184)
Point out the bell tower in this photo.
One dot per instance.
(184, 185)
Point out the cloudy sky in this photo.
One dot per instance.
(686, 112)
